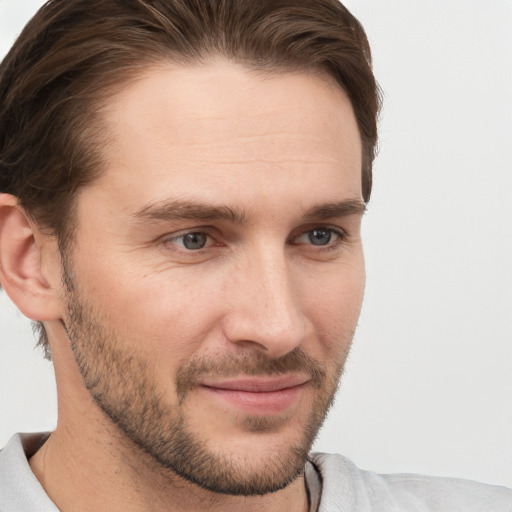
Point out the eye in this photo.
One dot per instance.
(191, 241)
(319, 237)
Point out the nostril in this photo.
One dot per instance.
(252, 345)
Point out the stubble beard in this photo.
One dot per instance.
(121, 385)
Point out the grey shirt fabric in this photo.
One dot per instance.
(20, 490)
(346, 488)
(335, 485)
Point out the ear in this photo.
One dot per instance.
(34, 288)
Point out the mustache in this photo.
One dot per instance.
(232, 365)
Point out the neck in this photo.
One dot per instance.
(82, 472)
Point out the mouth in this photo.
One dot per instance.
(257, 395)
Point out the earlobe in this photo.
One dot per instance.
(21, 270)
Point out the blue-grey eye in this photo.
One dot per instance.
(194, 241)
(320, 236)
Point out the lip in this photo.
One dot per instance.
(257, 395)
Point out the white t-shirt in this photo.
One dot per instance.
(342, 487)
(334, 484)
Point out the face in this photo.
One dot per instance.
(217, 273)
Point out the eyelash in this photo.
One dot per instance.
(169, 240)
(339, 234)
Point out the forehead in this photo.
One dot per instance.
(223, 125)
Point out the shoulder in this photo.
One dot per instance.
(346, 487)
(19, 488)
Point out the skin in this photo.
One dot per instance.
(273, 149)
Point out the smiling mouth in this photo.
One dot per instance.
(257, 395)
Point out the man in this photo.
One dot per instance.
(182, 190)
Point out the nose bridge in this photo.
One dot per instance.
(276, 293)
(268, 308)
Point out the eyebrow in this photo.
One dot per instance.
(176, 210)
(189, 210)
(336, 209)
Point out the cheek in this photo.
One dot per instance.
(334, 304)
(153, 313)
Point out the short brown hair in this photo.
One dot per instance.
(71, 56)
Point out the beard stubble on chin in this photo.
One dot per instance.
(121, 384)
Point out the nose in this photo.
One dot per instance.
(265, 311)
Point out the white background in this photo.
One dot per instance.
(428, 387)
